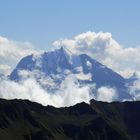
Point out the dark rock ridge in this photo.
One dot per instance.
(25, 120)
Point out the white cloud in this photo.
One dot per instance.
(105, 49)
(106, 94)
(82, 76)
(5, 69)
(69, 93)
(135, 89)
(11, 52)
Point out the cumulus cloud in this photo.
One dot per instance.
(106, 94)
(135, 89)
(5, 69)
(70, 92)
(105, 49)
(81, 75)
(11, 52)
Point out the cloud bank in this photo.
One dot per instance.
(69, 92)
(102, 47)
(135, 89)
(106, 94)
(11, 52)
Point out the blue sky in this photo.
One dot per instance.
(43, 21)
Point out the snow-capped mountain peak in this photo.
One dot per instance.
(59, 63)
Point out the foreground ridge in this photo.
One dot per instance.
(25, 120)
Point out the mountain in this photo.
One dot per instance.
(56, 65)
(25, 120)
(132, 79)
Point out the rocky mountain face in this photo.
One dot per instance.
(56, 65)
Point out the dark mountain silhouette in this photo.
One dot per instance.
(25, 120)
